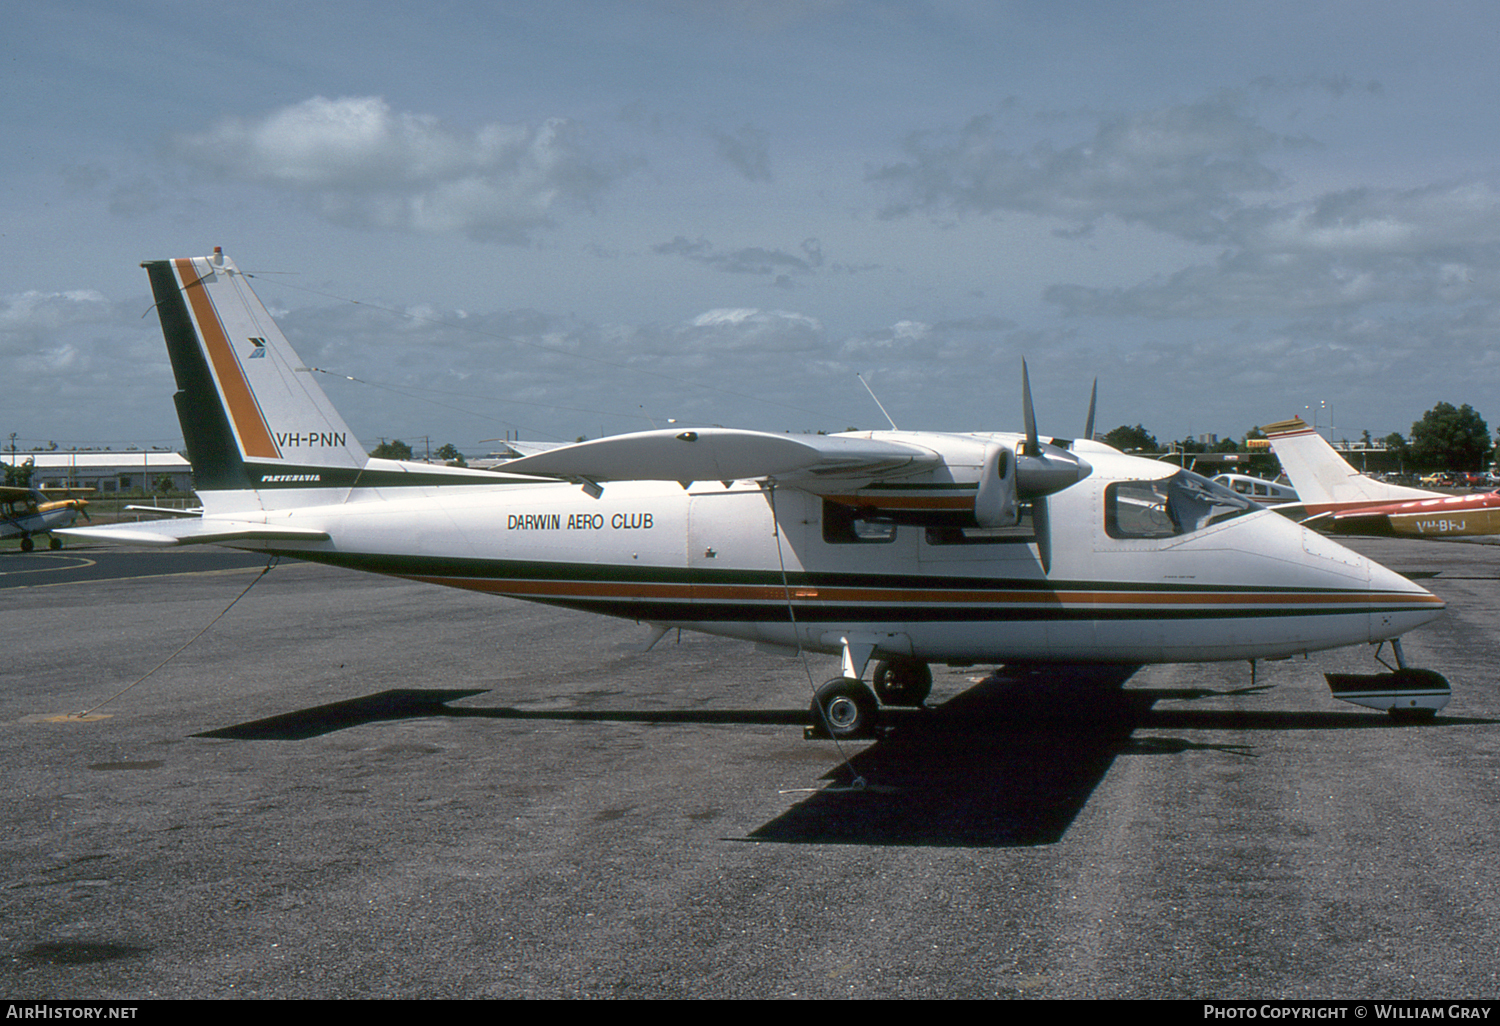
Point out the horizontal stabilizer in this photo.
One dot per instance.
(531, 448)
(722, 454)
(166, 511)
(191, 532)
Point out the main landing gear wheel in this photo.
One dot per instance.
(54, 543)
(902, 681)
(846, 708)
(27, 544)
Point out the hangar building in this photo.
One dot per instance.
(107, 473)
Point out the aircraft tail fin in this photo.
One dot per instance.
(252, 416)
(1320, 475)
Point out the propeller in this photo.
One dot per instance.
(1033, 444)
(1044, 468)
(80, 504)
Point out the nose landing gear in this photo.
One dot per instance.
(1406, 693)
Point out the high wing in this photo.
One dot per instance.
(917, 477)
(726, 454)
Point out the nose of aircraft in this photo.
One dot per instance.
(1396, 604)
(1400, 604)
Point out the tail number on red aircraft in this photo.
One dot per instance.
(1440, 526)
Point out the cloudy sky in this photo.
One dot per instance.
(558, 218)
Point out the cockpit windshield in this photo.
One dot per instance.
(1170, 506)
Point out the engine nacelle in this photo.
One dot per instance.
(995, 504)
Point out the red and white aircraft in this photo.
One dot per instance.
(1337, 498)
(906, 547)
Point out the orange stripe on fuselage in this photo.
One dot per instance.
(958, 596)
(249, 424)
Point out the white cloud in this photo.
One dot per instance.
(1201, 172)
(1341, 251)
(1183, 169)
(81, 368)
(750, 330)
(365, 165)
(747, 151)
(29, 319)
(756, 260)
(1426, 221)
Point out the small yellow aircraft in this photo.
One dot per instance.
(28, 511)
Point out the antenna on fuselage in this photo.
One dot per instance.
(862, 381)
(1088, 425)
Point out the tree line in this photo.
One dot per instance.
(399, 450)
(1446, 438)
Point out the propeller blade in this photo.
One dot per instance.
(1044, 469)
(1033, 444)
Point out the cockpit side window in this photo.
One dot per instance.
(1164, 508)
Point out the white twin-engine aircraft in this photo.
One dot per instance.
(904, 547)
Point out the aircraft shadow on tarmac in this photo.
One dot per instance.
(1009, 762)
(1013, 760)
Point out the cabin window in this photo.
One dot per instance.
(1023, 531)
(844, 525)
(1169, 506)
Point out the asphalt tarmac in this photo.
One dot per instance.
(356, 787)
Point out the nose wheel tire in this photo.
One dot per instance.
(846, 709)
